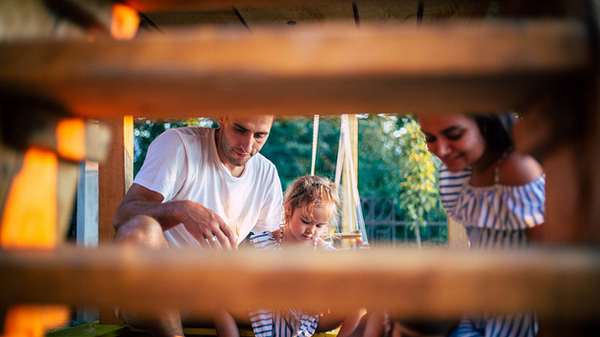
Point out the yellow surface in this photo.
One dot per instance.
(33, 321)
(70, 138)
(30, 221)
(30, 214)
(125, 22)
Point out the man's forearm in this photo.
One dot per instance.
(166, 214)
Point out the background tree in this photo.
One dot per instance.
(419, 179)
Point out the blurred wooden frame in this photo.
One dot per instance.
(548, 70)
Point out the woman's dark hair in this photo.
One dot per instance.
(497, 132)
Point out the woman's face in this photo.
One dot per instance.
(304, 228)
(455, 139)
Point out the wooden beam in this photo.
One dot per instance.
(369, 11)
(592, 141)
(442, 68)
(168, 15)
(560, 284)
(25, 19)
(318, 10)
(561, 130)
(115, 175)
(91, 15)
(457, 235)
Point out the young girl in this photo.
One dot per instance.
(494, 191)
(310, 204)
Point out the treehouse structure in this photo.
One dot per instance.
(74, 74)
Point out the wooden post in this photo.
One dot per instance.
(114, 178)
(87, 204)
(115, 175)
(592, 140)
(87, 220)
(457, 235)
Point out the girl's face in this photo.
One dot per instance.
(304, 228)
(455, 139)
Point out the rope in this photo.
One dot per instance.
(345, 164)
(314, 144)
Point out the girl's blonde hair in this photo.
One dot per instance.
(309, 192)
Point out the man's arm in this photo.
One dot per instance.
(201, 222)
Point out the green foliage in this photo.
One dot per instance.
(378, 157)
(420, 194)
(146, 130)
(290, 146)
(395, 164)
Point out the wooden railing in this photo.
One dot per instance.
(558, 283)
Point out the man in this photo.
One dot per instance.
(204, 187)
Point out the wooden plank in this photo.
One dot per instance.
(319, 10)
(592, 141)
(113, 179)
(457, 235)
(254, 13)
(167, 20)
(560, 284)
(369, 11)
(561, 129)
(91, 15)
(115, 175)
(442, 68)
(128, 154)
(32, 19)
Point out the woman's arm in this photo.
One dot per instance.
(351, 323)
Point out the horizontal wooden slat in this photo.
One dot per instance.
(441, 68)
(318, 10)
(168, 14)
(434, 283)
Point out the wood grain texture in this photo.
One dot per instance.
(115, 175)
(111, 181)
(592, 142)
(168, 15)
(441, 68)
(561, 284)
(329, 9)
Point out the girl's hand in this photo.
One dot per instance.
(277, 234)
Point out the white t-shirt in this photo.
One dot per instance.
(183, 164)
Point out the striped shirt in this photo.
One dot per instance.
(494, 217)
(498, 207)
(291, 323)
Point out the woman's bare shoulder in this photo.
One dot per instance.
(519, 169)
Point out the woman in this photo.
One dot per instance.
(494, 191)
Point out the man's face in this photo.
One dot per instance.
(241, 138)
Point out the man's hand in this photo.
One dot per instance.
(205, 225)
(202, 223)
